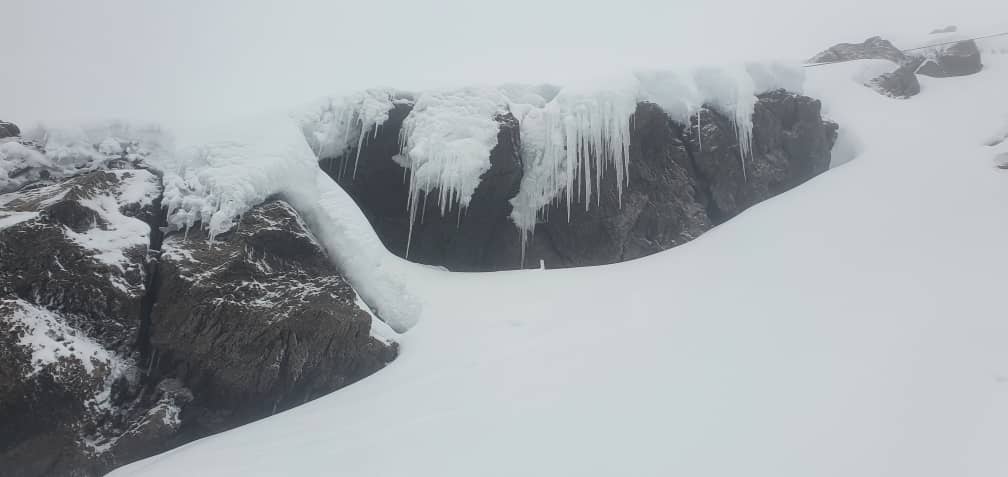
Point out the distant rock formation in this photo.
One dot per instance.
(957, 58)
(874, 48)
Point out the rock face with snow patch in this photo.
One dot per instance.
(681, 183)
(71, 287)
(258, 321)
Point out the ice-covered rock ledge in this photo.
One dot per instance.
(463, 178)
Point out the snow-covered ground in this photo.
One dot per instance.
(855, 326)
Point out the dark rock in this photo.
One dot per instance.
(9, 130)
(662, 206)
(872, 48)
(790, 144)
(957, 59)
(901, 83)
(79, 307)
(948, 29)
(258, 321)
(676, 190)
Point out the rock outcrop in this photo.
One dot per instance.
(956, 59)
(8, 129)
(901, 83)
(98, 373)
(874, 48)
(258, 321)
(71, 287)
(680, 185)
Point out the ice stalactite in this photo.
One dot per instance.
(335, 125)
(445, 142)
(570, 143)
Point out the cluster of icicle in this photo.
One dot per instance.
(337, 124)
(570, 137)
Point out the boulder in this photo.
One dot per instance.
(71, 287)
(8, 129)
(790, 144)
(874, 48)
(900, 84)
(957, 59)
(258, 321)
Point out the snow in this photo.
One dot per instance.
(852, 326)
(118, 233)
(10, 219)
(220, 173)
(51, 339)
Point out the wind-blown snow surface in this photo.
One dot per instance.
(853, 326)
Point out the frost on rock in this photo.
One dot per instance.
(446, 142)
(335, 125)
(583, 132)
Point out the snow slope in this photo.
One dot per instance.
(853, 326)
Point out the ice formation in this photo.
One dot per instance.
(217, 177)
(569, 143)
(445, 143)
(335, 125)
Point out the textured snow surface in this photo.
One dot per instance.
(68, 150)
(219, 174)
(854, 326)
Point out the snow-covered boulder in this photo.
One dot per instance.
(8, 129)
(259, 320)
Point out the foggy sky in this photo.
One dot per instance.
(196, 61)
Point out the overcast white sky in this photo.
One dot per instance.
(194, 61)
